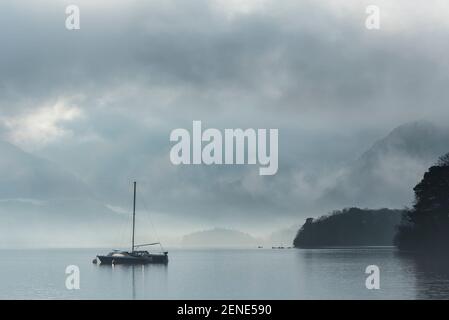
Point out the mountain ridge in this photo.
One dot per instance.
(383, 176)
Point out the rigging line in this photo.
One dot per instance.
(97, 199)
(124, 230)
(150, 220)
(123, 225)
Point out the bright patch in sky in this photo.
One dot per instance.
(33, 129)
(236, 7)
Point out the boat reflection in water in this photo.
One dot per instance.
(136, 281)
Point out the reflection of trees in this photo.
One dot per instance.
(431, 275)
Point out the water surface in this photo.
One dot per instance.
(224, 274)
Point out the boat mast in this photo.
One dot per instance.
(134, 215)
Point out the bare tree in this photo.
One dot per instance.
(443, 161)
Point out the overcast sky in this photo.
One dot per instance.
(101, 101)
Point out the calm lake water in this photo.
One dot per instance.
(225, 274)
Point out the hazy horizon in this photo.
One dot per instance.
(361, 113)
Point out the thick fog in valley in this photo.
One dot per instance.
(361, 114)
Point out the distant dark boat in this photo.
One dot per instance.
(133, 256)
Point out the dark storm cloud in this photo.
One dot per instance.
(137, 70)
(306, 58)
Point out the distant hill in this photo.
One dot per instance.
(350, 227)
(219, 237)
(385, 174)
(283, 237)
(26, 176)
(43, 204)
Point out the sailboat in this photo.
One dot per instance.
(134, 256)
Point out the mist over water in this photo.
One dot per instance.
(224, 274)
(359, 116)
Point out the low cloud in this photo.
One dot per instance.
(137, 70)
